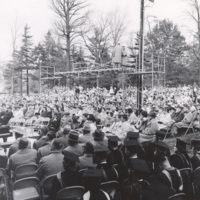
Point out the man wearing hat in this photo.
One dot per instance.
(74, 146)
(86, 136)
(86, 161)
(22, 156)
(47, 164)
(98, 139)
(63, 135)
(46, 148)
(69, 177)
(148, 134)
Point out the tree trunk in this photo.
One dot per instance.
(27, 84)
(21, 86)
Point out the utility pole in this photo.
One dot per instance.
(141, 59)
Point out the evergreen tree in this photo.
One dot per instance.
(25, 54)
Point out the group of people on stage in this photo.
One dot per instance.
(102, 130)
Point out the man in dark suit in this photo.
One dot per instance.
(22, 156)
(46, 148)
(74, 146)
(87, 136)
(47, 165)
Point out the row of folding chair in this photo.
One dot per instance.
(14, 122)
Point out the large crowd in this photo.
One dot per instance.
(97, 135)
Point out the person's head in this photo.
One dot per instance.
(131, 147)
(88, 148)
(162, 162)
(86, 129)
(70, 161)
(91, 119)
(73, 138)
(23, 143)
(43, 130)
(84, 117)
(51, 135)
(181, 145)
(152, 115)
(123, 117)
(100, 154)
(144, 114)
(98, 135)
(113, 142)
(66, 130)
(57, 145)
(196, 146)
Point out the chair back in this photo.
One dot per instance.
(71, 193)
(26, 183)
(47, 184)
(110, 187)
(24, 171)
(180, 196)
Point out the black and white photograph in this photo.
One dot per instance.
(100, 100)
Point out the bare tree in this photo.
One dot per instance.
(194, 13)
(97, 41)
(72, 16)
(117, 25)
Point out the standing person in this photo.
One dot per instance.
(117, 56)
(124, 56)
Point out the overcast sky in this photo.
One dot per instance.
(38, 15)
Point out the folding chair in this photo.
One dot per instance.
(3, 184)
(111, 187)
(23, 171)
(71, 193)
(27, 188)
(47, 185)
(180, 196)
